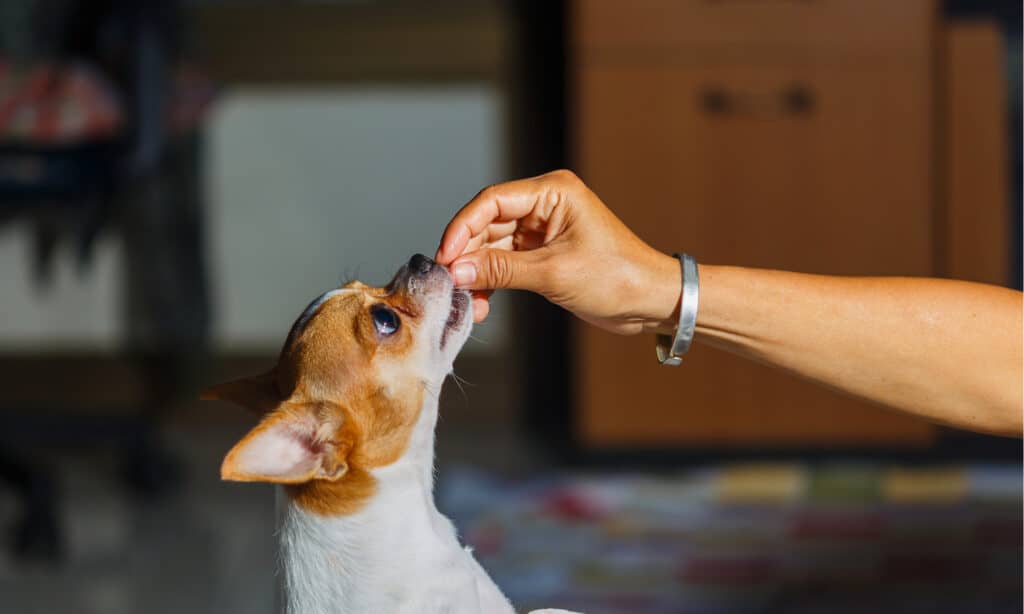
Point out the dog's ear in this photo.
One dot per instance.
(295, 443)
(258, 393)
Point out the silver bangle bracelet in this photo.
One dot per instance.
(670, 351)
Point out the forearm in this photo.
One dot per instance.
(948, 351)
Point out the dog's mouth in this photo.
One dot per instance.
(460, 303)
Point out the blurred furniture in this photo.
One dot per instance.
(975, 166)
(851, 137)
(98, 130)
(321, 43)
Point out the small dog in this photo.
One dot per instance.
(348, 430)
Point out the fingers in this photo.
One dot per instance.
(505, 243)
(491, 235)
(504, 202)
(487, 269)
(494, 207)
(481, 307)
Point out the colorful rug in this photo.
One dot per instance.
(750, 538)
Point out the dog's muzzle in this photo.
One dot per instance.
(421, 275)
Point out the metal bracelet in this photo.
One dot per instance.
(670, 351)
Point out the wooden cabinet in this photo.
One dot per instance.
(860, 27)
(975, 169)
(739, 173)
(791, 135)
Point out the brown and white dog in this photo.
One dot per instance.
(348, 429)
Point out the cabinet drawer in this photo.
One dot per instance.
(797, 167)
(791, 167)
(861, 26)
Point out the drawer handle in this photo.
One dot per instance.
(794, 101)
(798, 100)
(717, 101)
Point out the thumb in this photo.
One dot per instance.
(489, 269)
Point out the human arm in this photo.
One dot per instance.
(948, 351)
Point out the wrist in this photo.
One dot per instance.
(664, 289)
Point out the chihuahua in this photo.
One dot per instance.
(347, 428)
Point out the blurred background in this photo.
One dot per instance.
(179, 179)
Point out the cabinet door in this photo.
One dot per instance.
(805, 166)
(978, 241)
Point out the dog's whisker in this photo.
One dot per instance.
(458, 382)
(462, 380)
(350, 274)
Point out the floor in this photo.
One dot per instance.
(208, 546)
(750, 537)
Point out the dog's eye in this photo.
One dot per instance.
(385, 320)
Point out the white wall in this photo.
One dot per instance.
(306, 188)
(316, 187)
(73, 312)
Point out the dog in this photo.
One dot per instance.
(347, 429)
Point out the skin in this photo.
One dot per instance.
(948, 351)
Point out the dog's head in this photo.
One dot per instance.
(349, 386)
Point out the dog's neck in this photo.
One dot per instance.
(366, 561)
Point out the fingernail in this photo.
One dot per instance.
(464, 273)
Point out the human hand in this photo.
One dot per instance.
(553, 236)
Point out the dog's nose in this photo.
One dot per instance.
(420, 264)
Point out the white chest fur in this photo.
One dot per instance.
(396, 554)
(337, 410)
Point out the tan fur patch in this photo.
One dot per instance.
(329, 372)
(375, 434)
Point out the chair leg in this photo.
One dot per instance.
(149, 469)
(36, 534)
